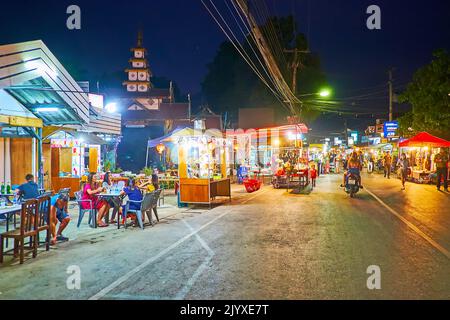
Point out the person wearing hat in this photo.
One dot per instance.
(58, 211)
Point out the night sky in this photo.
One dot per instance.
(182, 38)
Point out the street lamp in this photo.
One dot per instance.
(325, 93)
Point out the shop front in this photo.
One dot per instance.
(43, 100)
(73, 155)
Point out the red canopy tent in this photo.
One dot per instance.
(424, 139)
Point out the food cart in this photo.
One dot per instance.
(202, 165)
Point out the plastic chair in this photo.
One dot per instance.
(144, 205)
(121, 185)
(65, 191)
(92, 211)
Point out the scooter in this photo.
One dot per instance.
(352, 185)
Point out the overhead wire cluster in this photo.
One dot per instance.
(264, 52)
(261, 47)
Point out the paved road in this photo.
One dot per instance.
(265, 245)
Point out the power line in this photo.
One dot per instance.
(249, 62)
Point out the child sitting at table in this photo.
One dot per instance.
(133, 193)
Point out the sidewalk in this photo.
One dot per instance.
(168, 208)
(167, 212)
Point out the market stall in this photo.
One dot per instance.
(260, 153)
(421, 150)
(202, 165)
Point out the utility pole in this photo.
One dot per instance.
(268, 57)
(390, 94)
(294, 65)
(346, 131)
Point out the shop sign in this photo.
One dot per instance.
(66, 143)
(370, 130)
(375, 140)
(354, 135)
(337, 141)
(390, 129)
(351, 142)
(96, 100)
(379, 128)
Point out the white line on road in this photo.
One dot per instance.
(187, 287)
(140, 267)
(424, 236)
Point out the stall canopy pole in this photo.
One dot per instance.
(146, 156)
(39, 163)
(36, 134)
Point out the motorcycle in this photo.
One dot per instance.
(352, 185)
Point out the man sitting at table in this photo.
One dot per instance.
(29, 190)
(58, 211)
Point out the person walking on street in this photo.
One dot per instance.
(441, 160)
(313, 174)
(403, 164)
(370, 163)
(387, 164)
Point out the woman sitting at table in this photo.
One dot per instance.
(107, 180)
(101, 206)
(155, 181)
(134, 194)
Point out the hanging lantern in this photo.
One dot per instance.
(160, 148)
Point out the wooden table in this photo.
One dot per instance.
(7, 212)
(115, 197)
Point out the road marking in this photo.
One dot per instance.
(146, 263)
(188, 286)
(125, 296)
(424, 236)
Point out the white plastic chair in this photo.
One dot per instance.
(121, 185)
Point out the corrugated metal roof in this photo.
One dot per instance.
(34, 94)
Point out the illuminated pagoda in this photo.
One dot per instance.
(143, 104)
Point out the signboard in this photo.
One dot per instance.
(364, 139)
(337, 141)
(379, 128)
(354, 135)
(351, 142)
(375, 140)
(390, 129)
(96, 100)
(66, 143)
(370, 130)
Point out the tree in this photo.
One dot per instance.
(231, 84)
(428, 94)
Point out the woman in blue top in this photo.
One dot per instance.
(134, 194)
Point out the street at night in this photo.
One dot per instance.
(224, 158)
(303, 247)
